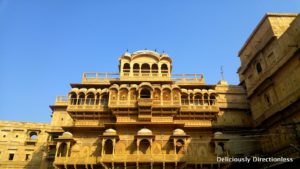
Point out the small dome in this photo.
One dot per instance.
(110, 131)
(178, 132)
(127, 54)
(218, 134)
(67, 135)
(144, 131)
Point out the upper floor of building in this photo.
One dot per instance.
(143, 65)
(145, 91)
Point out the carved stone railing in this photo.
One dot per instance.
(61, 100)
(120, 158)
(105, 78)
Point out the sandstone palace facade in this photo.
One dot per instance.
(146, 117)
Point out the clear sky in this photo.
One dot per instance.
(46, 45)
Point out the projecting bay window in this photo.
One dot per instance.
(64, 145)
(179, 139)
(109, 139)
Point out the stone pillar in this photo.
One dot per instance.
(57, 148)
(102, 148)
(68, 149)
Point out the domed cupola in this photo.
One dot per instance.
(110, 132)
(144, 132)
(178, 132)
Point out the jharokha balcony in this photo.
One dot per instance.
(87, 104)
(185, 105)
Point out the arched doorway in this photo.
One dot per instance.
(62, 150)
(108, 147)
(145, 147)
(179, 146)
(145, 93)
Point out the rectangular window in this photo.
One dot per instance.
(27, 157)
(11, 157)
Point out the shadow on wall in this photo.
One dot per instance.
(38, 158)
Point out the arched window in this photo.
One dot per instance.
(198, 99)
(206, 99)
(179, 146)
(133, 94)
(73, 98)
(166, 94)
(258, 67)
(191, 98)
(154, 70)
(220, 148)
(81, 98)
(33, 135)
(212, 99)
(184, 99)
(90, 99)
(164, 70)
(97, 98)
(126, 68)
(104, 99)
(123, 94)
(156, 94)
(62, 150)
(145, 69)
(108, 147)
(113, 94)
(145, 93)
(145, 146)
(136, 69)
(176, 94)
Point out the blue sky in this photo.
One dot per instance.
(46, 45)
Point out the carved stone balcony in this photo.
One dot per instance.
(109, 158)
(199, 106)
(145, 102)
(122, 104)
(106, 78)
(77, 105)
(144, 108)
